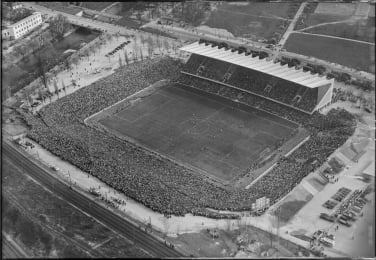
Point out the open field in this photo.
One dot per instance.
(255, 20)
(362, 30)
(348, 53)
(213, 136)
(336, 8)
(98, 6)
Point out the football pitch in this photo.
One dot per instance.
(215, 136)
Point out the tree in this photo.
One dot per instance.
(56, 87)
(63, 87)
(126, 58)
(193, 12)
(141, 55)
(59, 25)
(135, 50)
(159, 43)
(166, 44)
(42, 64)
(40, 94)
(142, 39)
(120, 62)
(150, 50)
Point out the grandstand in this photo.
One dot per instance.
(242, 70)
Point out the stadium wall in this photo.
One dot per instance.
(326, 92)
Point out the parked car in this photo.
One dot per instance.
(327, 217)
(344, 222)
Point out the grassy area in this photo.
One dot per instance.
(128, 22)
(50, 227)
(315, 19)
(355, 55)
(98, 6)
(256, 20)
(362, 30)
(22, 73)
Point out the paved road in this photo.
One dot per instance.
(10, 249)
(41, 173)
(292, 24)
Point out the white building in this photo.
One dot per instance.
(22, 27)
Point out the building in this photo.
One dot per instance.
(22, 27)
(308, 92)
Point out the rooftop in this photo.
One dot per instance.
(269, 67)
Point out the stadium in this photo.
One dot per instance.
(217, 132)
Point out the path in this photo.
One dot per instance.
(335, 37)
(327, 23)
(292, 25)
(108, 7)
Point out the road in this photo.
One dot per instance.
(87, 22)
(10, 249)
(292, 25)
(41, 173)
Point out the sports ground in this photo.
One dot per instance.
(215, 136)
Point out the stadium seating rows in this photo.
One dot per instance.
(251, 80)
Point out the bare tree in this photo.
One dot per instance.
(135, 50)
(7, 92)
(42, 70)
(56, 87)
(120, 62)
(142, 39)
(126, 58)
(63, 87)
(150, 50)
(40, 94)
(141, 54)
(166, 44)
(59, 25)
(159, 43)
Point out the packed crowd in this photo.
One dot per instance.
(158, 183)
(254, 81)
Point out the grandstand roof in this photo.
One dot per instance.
(269, 67)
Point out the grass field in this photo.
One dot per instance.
(336, 8)
(348, 53)
(255, 20)
(362, 30)
(98, 6)
(207, 134)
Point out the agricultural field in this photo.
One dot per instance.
(215, 137)
(254, 20)
(352, 54)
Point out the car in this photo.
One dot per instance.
(54, 168)
(356, 209)
(344, 217)
(344, 222)
(327, 217)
